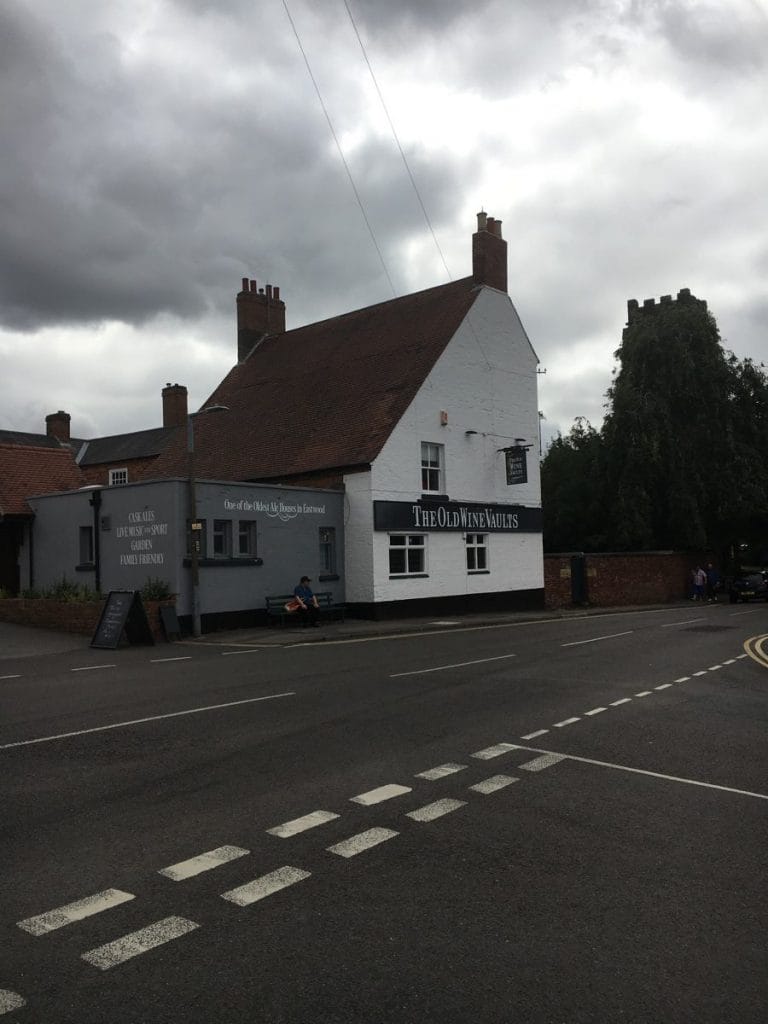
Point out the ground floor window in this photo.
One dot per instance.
(477, 552)
(246, 537)
(407, 554)
(222, 538)
(327, 550)
(86, 545)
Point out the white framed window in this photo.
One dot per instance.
(432, 468)
(246, 538)
(407, 554)
(477, 552)
(222, 538)
(118, 476)
(327, 537)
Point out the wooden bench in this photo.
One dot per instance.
(327, 608)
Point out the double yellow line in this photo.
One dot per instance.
(757, 648)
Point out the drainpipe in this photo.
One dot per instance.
(95, 503)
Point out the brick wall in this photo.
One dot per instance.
(69, 616)
(626, 578)
(138, 469)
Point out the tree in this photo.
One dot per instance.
(572, 505)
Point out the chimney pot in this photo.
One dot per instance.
(482, 219)
(260, 312)
(489, 254)
(245, 284)
(253, 286)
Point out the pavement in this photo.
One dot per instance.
(26, 641)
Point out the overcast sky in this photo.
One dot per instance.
(154, 152)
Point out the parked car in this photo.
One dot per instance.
(751, 586)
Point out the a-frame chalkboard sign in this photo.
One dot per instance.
(123, 612)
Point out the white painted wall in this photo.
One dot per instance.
(486, 382)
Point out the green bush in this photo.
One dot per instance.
(66, 590)
(156, 589)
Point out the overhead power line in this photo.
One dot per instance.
(338, 146)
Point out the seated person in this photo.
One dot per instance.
(308, 606)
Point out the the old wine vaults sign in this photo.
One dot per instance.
(455, 515)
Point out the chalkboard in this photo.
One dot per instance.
(123, 612)
(170, 623)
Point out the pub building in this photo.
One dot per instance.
(391, 454)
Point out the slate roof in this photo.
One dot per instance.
(322, 396)
(26, 470)
(121, 447)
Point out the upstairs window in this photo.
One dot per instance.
(432, 468)
(118, 476)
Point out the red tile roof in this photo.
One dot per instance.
(27, 470)
(325, 395)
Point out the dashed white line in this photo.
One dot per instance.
(595, 711)
(683, 679)
(90, 668)
(440, 771)
(644, 693)
(435, 810)
(10, 1001)
(702, 673)
(86, 907)
(17, 676)
(266, 885)
(307, 821)
(381, 793)
(362, 841)
(495, 751)
(731, 661)
(714, 668)
(141, 721)
(594, 639)
(203, 862)
(161, 661)
(566, 721)
(458, 664)
(538, 764)
(624, 700)
(533, 735)
(135, 943)
(249, 650)
(663, 686)
(493, 784)
(740, 656)
(685, 622)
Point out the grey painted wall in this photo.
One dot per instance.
(142, 534)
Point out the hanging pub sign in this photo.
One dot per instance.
(517, 465)
(455, 515)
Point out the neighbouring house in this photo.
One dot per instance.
(393, 450)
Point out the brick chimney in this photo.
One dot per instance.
(174, 405)
(57, 425)
(260, 312)
(489, 253)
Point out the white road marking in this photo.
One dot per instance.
(161, 661)
(702, 673)
(643, 771)
(381, 793)
(446, 623)
(17, 676)
(683, 679)
(533, 735)
(136, 943)
(10, 1001)
(740, 656)
(644, 693)
(624, 700)
(435, 810)
(440, 772)
(141, 721)
(248, 650)
(459, 664)
(362, 841)
(566, 721)
(91, 668)
(307, 821)
(663, 686)
(538, 764)
(594, 639)
(731, 661)
(493, 784)
(203, 862)
(495, 751)
(266, 885)
(684, 622)
(595, 711)
(86, 907)
(713, 668)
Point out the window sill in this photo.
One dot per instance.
(410, 576)
(478, 572)
(327, 577)
(85, 567)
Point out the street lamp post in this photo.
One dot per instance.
(195, 527)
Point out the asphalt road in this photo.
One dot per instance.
(559, 822)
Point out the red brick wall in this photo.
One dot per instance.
(644, 577)
(138, 469)
(69, 616)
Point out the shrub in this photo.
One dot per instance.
(66, 590)
(156, 589)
